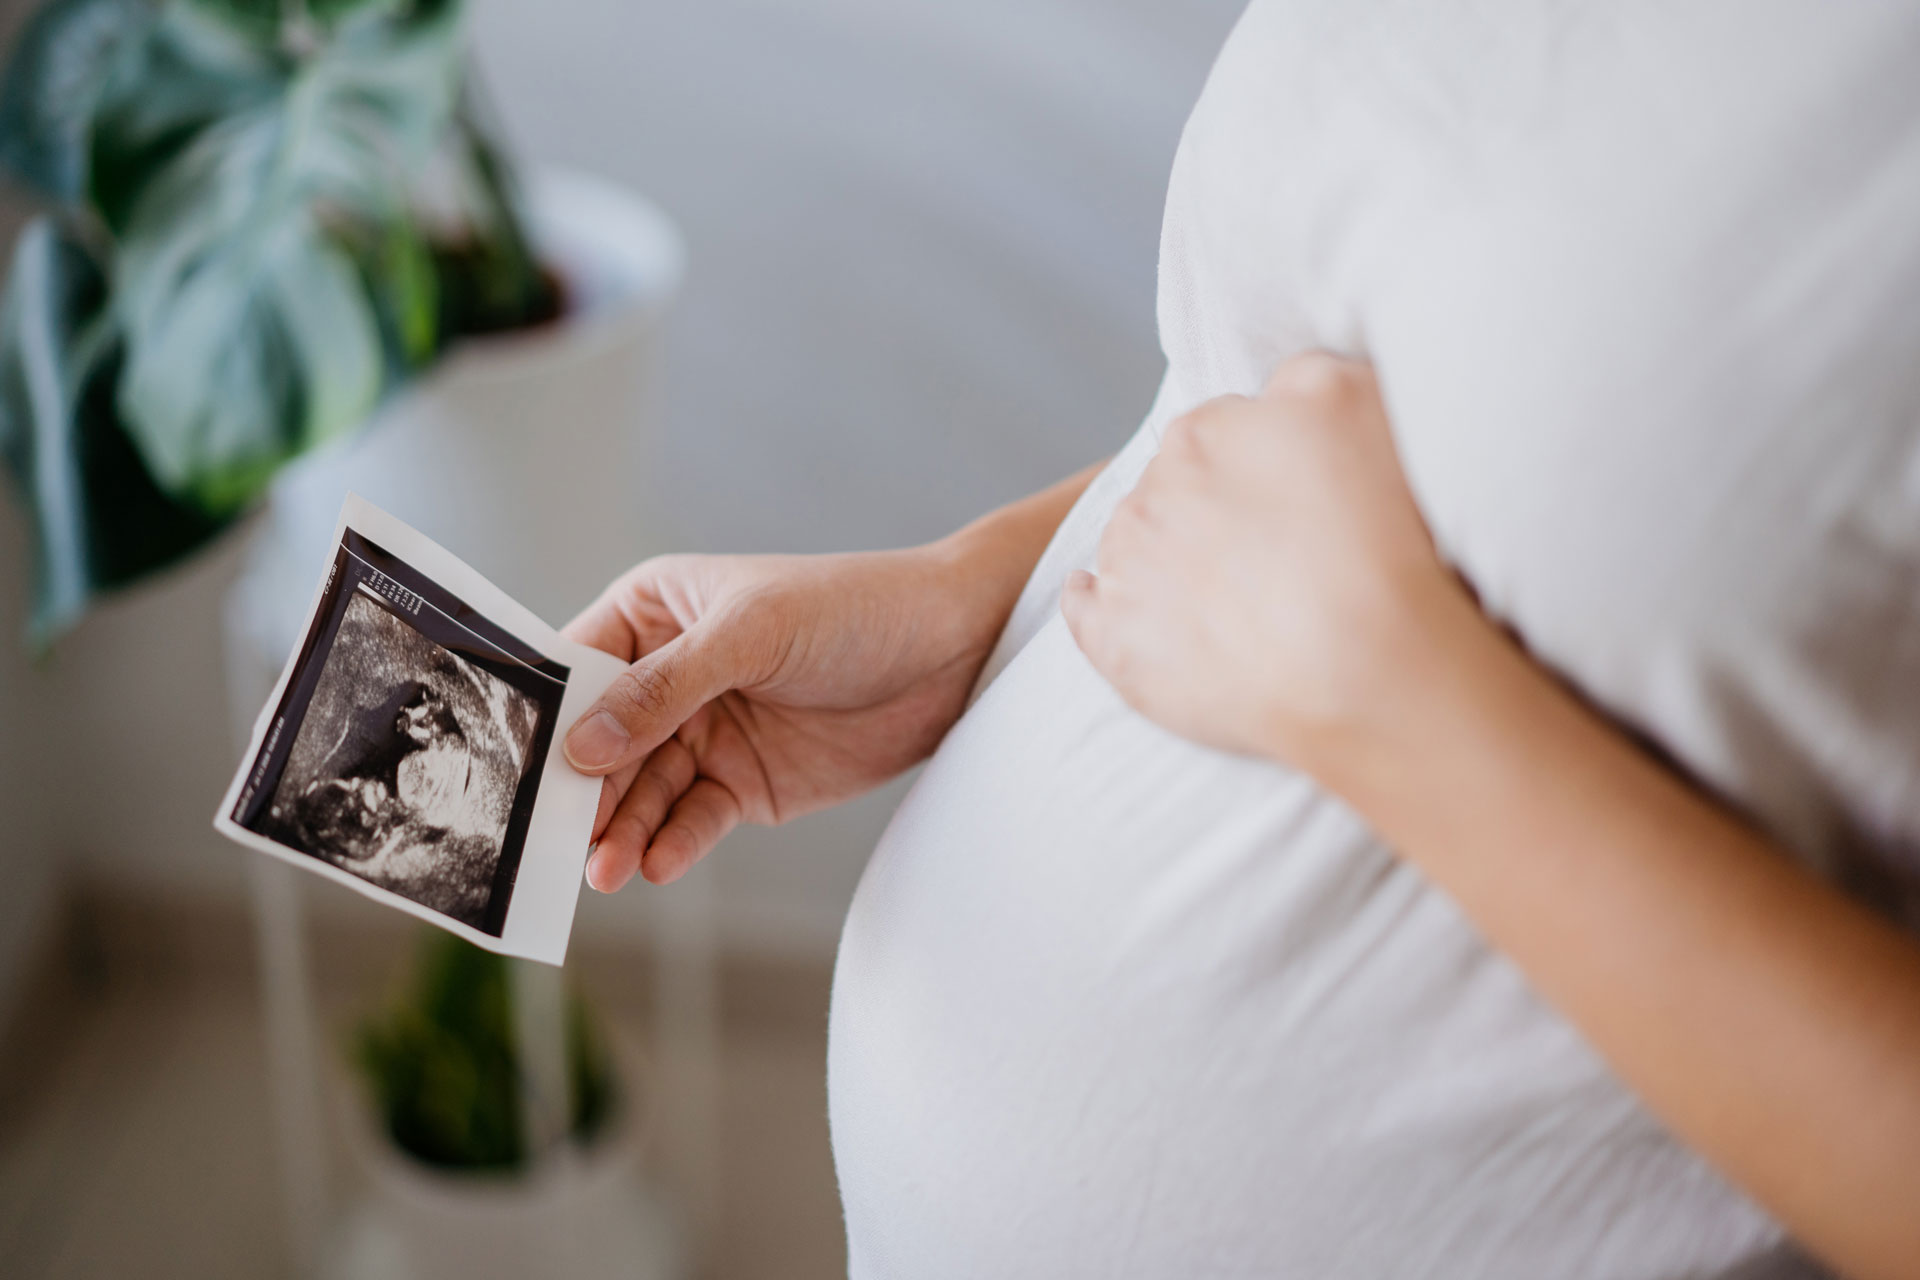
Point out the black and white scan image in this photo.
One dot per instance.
(405, 768)
(408, 751)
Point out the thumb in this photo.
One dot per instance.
(648, 702)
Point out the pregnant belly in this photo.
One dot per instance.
(1109, 1004)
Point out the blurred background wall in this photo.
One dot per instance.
(922, 239)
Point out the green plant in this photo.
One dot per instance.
(439, 1063)
(265, 215)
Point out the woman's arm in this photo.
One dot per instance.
(765, 687)
(1269, 588)
(1771, 1022)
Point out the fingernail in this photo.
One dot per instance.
(597, 741)
(603, 875)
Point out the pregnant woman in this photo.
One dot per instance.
(1445, 799)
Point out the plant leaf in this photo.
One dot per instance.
(239, 272)
(249, 359)
(334, 335)
(62, 66)
(51, 291)
(189, 77)
(397, 267)
(98, 520)
(250, 335)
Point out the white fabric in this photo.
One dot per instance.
(1640, 283)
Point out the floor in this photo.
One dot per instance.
(135, 1137)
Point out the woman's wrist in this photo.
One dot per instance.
(986, 564)
(1427, 681)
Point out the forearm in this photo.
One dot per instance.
(1772, 1023)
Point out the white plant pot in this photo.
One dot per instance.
(588, 1219)
(527, 454)
(585, 1215)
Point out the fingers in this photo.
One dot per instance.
(697, 823)
(1316, 375)
(612, 787)
(647, 703)
(666, 776)
(602, 626)
(634, 615)
(1080, 605)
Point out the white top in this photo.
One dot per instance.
(1641, 283)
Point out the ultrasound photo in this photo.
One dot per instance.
(405, 768)
(409, 749)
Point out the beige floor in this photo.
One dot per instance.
(135, 1139)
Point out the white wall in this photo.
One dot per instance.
(923, 237)
(922, 240)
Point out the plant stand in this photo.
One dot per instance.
(523, 455)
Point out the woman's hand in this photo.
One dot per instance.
(1269, 583)
(762, 688)
(765, 687)
(1269, 587)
